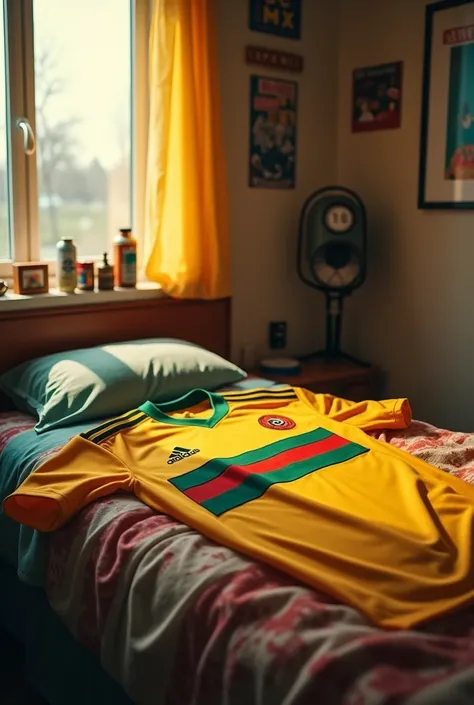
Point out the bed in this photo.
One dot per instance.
(127, 605)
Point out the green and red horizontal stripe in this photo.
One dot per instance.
(223, 484)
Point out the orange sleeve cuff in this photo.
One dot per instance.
(402, 413)
(44, 512)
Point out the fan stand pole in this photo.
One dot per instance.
(332, 352)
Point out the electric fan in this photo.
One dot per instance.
(332, 256)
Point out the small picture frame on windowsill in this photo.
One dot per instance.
(30, 278)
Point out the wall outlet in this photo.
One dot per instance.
(277, 335)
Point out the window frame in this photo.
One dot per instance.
(20, 102)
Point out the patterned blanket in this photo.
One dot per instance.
(179, 620)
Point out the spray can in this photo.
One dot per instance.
(125, 258)
(66, 275)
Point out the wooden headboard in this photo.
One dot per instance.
(30, 333)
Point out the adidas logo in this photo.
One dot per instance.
(180, 454)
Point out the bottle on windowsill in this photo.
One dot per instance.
(66, 275)
(125, 259)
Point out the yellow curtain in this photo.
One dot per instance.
(186, 219)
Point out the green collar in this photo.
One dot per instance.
(160, 412)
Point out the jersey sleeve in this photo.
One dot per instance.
(367, 415)
(80, 473)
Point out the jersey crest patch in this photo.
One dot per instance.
(276, 422)
(223, 484)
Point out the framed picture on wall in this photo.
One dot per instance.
(273, 124)
(377, 97)
(446, 176)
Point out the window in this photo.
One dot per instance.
(5, 243)
(72, 119)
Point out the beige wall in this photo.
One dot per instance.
(264, 222)
(414, 315)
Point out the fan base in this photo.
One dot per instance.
(334, 356)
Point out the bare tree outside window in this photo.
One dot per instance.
(56, 154)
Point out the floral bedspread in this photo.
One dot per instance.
(179, 620)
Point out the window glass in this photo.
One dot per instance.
(83, 122)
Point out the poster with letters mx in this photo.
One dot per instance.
(273, 124)
(279, 17)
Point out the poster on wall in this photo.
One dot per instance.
(273, 125)
(279, 17)
(446, 176)
(377, 97)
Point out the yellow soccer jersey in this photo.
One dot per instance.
(288, 477)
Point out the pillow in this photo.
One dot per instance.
(81, 385)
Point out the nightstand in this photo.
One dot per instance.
(343, 379)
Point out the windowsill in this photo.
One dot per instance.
(11, 302)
